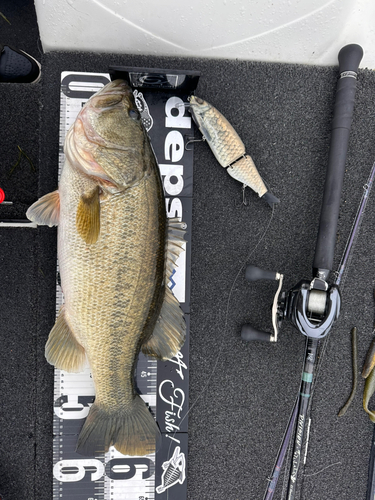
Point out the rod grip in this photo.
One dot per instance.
(249, 333)
(349, 58)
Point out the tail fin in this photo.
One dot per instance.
(132, 431)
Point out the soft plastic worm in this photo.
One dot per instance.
(370, 356)
(355, 372)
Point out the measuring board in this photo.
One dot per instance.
(163, 385)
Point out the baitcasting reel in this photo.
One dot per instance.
(311, 306)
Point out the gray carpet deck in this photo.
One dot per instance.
(241, 394)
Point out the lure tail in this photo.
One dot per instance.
(270, 199)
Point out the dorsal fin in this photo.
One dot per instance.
(170, 330)
(175, 243)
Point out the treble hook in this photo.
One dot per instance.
(244, 200)
(191, 139)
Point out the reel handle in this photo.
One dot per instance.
(249, 333)
(254, 273)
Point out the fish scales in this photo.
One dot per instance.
(115, 250)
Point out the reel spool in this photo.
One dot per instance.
(317, 302)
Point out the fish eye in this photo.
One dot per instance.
(199, 100)
(134, 114)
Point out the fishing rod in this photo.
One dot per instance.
(313, 306)
(339, 275)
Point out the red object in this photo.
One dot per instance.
(2, 195)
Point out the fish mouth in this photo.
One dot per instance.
(107, 98)
(197, 109)
(113, 87)
(196, 100)
(110, 95)
(116, 84)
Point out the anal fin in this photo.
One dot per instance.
(62, 349)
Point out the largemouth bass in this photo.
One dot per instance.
(116, 250)
(227, 147)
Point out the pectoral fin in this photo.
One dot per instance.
(62, 348)
(45, 211)
(88, 216)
